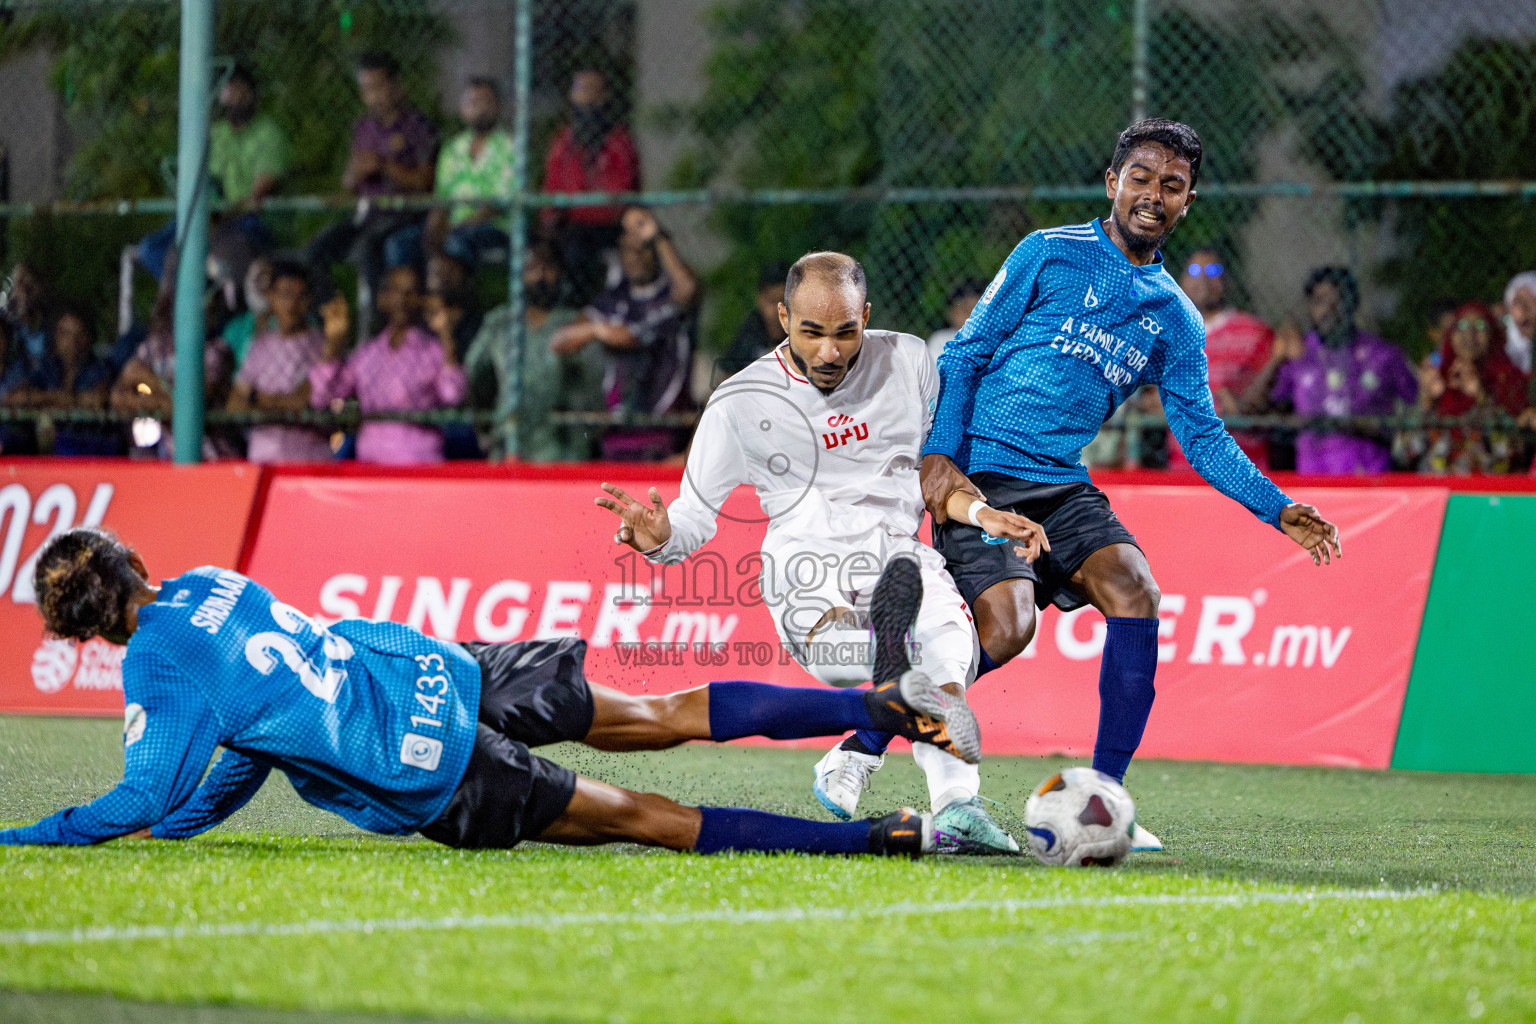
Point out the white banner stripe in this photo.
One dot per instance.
(137, 933)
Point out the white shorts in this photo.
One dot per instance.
(814, 576)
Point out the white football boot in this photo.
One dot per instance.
(842, 776)
(1143, 841)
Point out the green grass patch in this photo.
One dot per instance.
(1286, 894)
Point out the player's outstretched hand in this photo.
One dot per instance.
(1306, 526)
(644, 526)
(1029, 534)
(941, 478)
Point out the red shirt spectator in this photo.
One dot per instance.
(594, 153)
(1237, 346)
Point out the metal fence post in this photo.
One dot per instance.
(517, 228)
(192, 224)
(1140, 27)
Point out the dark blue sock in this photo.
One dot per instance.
(868, 741)
(736, 828)
(987, 664)
(739, 708)
(1125, 692)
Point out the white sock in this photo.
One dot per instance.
(949, 778)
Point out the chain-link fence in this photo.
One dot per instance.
(925, 137)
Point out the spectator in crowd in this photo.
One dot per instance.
(476, 164)
(247, 158)
(15, 438)
(256, 317)
(453, 318)
(1340, 371)
(1472, 373)
(26, 308)
(393, 152)
(760, 331)
(403, 369)
(962, 298)
(645, 324)
(146, 385)
(71, 376)
(275, 374)
(548, 382)
(1520, 319)
(1237, 347)
(593, 153)
(451, 288)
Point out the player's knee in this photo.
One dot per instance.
(1135, 596)
(1006, 636)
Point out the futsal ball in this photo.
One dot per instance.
(1080, 818)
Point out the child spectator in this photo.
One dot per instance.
(275, 374)
(403, 369)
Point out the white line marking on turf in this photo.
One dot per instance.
(136, 933)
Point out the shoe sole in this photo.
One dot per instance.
(960, 726)
(892, 612)
(827, 802)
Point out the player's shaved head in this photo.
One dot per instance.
(824, 313)
(836, 269)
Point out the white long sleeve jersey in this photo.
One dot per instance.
(834, 467)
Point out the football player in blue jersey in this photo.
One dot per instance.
(1078, 318)
(399, 732)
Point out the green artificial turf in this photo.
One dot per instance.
(1286, 894)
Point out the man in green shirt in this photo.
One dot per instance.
(247, 157)
(476, 164)
(549, 382)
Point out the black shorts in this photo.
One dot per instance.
(531, 694)
(1077, 520)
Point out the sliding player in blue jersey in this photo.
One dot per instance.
(399, 732)
(1077, 319)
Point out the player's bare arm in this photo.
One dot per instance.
(1306, 526)
(965, 507)
(645, 527)
(941, 478)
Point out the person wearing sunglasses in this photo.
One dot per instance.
(1237, 346)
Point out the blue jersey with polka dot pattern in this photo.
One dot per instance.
(1067, 331)
(370, 720)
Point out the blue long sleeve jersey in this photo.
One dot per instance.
(1066, 332)
(370, 720)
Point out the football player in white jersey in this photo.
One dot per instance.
(828, 429)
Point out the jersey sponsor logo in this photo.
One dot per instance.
(1090, 301)
(851, 431)
(997, 282)
(1092, 344)
(135, 718)
(1151, 326)
(422, 752)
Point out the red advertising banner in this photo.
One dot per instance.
(177, 517)
(1265, 657)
